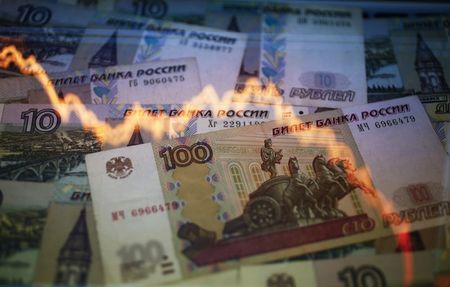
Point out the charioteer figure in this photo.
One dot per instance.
(270, 157)
(300, 193)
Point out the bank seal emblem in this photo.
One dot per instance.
(119, 167)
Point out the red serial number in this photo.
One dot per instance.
(147, 210)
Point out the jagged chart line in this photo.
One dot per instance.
(120, 134)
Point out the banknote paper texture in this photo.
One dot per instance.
(233, 194)
(316, 57)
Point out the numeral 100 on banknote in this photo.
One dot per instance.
(183, 155)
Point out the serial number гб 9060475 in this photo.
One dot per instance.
(157, 81)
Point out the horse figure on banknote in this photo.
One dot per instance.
(283, 200)
(335, 178)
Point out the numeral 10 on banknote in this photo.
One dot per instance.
(183, 155)
(366, 275)
(43, 121)
(37, 16)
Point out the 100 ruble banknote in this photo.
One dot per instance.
(187, 206)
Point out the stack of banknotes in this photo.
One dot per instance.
(210, 143)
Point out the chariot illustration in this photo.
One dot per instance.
(281, 202)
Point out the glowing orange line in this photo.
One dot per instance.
(119, 134)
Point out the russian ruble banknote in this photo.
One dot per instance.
(423, 57)
(384, 80)
(47, 239)
(23, 211)
(69, 252)
(127, 40)
(402, 55)
(264, 192)
(43, 29)
(176, 10)
(406, 269)
(153, 40)
(424, 268)
(163, 82)
(315, 56)
(43, 13)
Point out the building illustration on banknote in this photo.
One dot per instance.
(429, 69)
(75, 255)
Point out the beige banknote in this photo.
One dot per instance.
(269, 191)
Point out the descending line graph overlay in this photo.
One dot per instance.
(119, 134)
